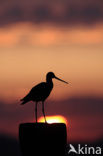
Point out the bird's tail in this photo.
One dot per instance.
(23, 101)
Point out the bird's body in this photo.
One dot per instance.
(40, 92)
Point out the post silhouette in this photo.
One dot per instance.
(43, 139)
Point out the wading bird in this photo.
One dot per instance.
(40, 92)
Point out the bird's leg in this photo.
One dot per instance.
(36, 111)
(43, 111)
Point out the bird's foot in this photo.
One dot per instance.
(45, 121)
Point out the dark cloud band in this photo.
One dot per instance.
(56, 12)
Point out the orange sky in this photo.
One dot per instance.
(28, 52)
(75, 54)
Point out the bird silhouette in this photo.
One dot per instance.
(40, 92)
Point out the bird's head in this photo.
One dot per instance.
(51, 75)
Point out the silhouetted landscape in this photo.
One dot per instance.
(10, 146)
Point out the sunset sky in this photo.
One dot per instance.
(65, 37)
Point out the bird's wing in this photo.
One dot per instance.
(38, 88)
(26, 99)
(35, 93)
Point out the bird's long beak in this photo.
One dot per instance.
(61, 80)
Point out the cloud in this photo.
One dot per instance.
(78, 106)
(13, 112)
(84, 116)
(56, 12)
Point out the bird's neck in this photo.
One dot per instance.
(49, 80)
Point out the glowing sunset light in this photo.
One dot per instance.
(54, 119)
(64, 37)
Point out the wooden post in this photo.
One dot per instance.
(42, 139)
